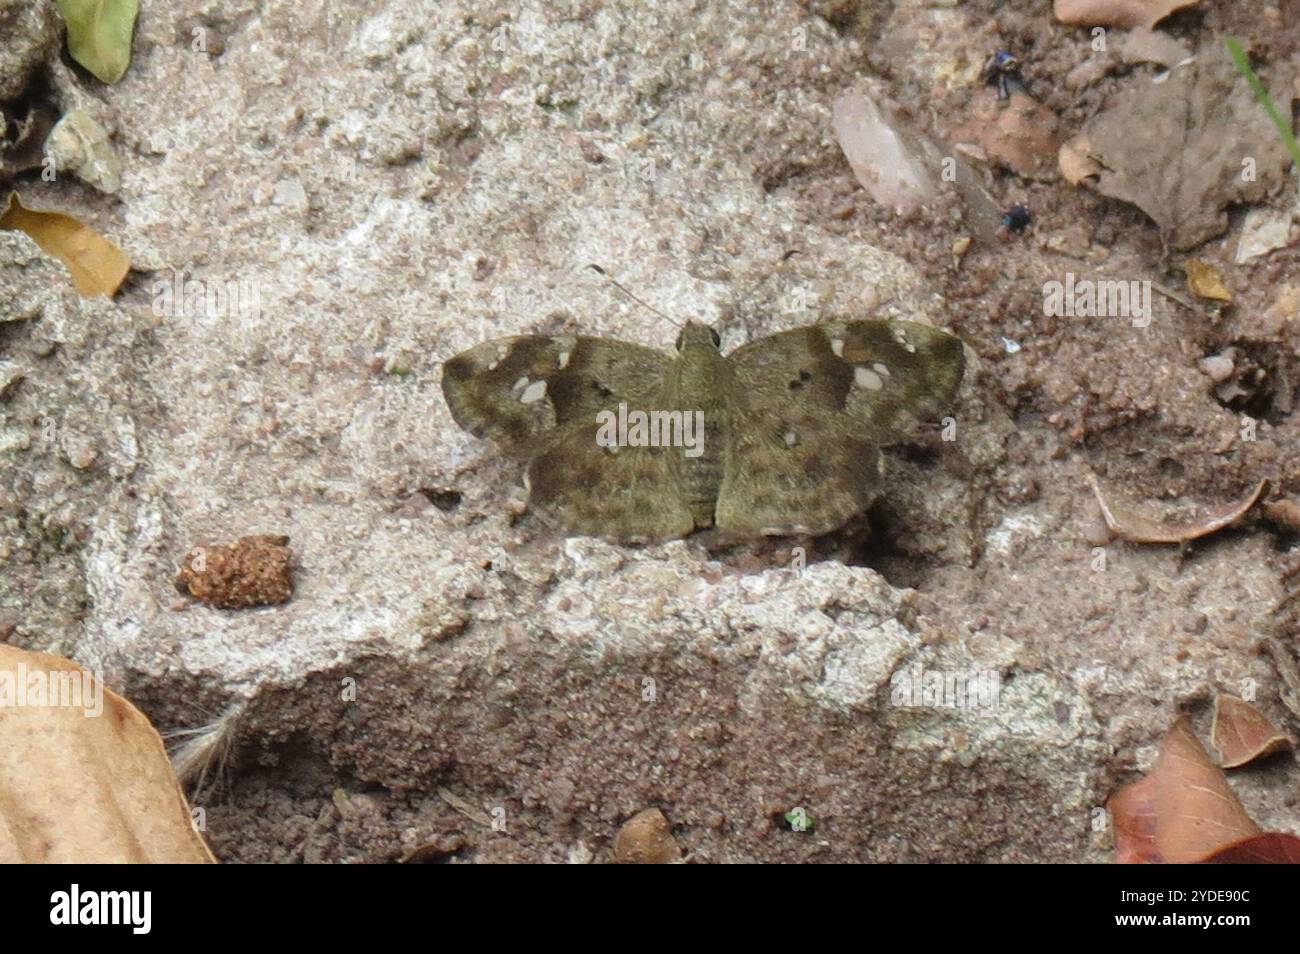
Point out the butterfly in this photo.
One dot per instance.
(780, 437)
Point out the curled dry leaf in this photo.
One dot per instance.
(1124, 14)
(1242, 733)
(1204, 281)
(84, 777)
(96, 264)
(1136, 528)
(1283, 513)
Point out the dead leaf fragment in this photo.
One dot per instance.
(884, 157)
(97, 265)
(1017, 133)
(1197, 813)
(1136, 528)
(1204, 281)
(1270, 848)
(893, 162)
(465, 807)
(1133, 811)
(645, 839)
(85, 781)
(1264, 230)
(1180, 149)
(1124, 14)
(1242, 733)
(1075, 160)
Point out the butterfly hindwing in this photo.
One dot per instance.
(811, 407)
(792, 469)
(626, 494)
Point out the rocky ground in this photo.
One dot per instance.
(391, 183)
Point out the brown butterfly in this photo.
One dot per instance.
(781, 436)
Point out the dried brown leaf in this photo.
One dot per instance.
(1133, 811)
(1242, 733)
(1196, 811)
(1270, 848)
(1136, 528)
(1185, 148)
(1116, 13)
(80, 786)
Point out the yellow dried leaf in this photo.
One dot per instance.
(1205, 282)
(96, 264)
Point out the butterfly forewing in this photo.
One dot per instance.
(514, 390)
(886, 375)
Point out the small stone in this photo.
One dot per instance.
(645, 839)
(79, 450)
(80, 145)
(1217, 367)
(255, 571)
(290, 194)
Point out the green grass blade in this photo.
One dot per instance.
(1283, 125)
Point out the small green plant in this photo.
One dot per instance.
(1283, 124)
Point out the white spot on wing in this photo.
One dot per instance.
(837, 346)
(790, 438)
(563, 361)
(881, 370)
(533, 393)
(866, 378)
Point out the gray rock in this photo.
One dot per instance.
(32, 30)
(452, 175)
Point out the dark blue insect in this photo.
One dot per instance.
(1016, 219)
(1002, 70)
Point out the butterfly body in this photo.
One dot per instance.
(781, 436)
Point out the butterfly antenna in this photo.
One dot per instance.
(609, 278)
